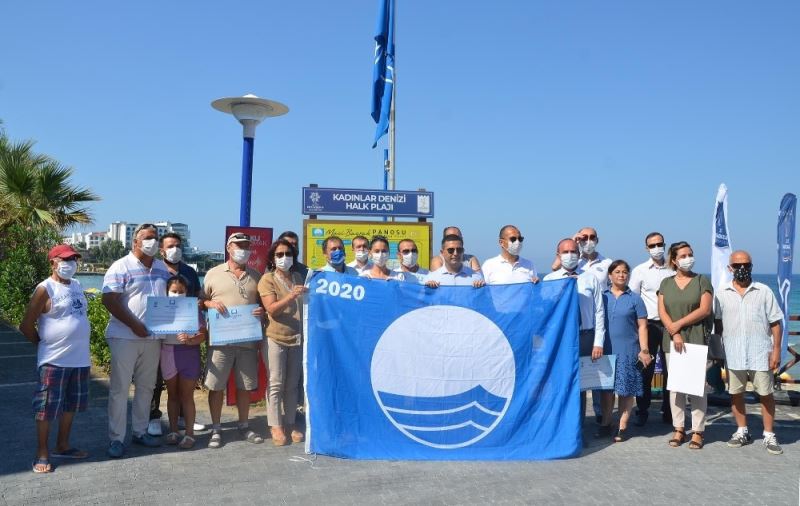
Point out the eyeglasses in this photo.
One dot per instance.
(748, 265)
(655, 245)
(281, 254)
(588, 238)
(458, 250)
(515, 239)
(407, 251)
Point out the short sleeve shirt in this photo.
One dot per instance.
(499, 271)
(623, 313)
(678, 303)
(284, 327)
(645, 280)
(223, 286)
(464, 277)
(411, 277)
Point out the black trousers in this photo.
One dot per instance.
(655, 339)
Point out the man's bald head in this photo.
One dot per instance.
(740, 257)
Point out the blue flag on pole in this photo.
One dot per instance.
(402, 371)
(383, 69)
(786, 218)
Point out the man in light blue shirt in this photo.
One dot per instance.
(453, 272)
(333, 248)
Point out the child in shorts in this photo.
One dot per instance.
(180, 368)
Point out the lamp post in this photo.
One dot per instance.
(249, 110)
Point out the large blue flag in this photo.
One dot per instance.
(786, 224)
(383, 70)
(403, 371)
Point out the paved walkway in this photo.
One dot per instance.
(643, 470)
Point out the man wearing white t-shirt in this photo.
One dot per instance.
(508, 267)
(135, 353)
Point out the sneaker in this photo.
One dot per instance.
(199, 426)
(739, 439)
(154, 427)
(146, 440)
(772, 446)
(116, 449)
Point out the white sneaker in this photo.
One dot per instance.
(199, 426)
(154, 427)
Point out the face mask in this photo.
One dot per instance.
(173, 255)
(337, 257)
(174, 294)
(744, 274)
(240, 256)
(410, 259)
(284, 263)
(588, 247)
(657, 253)
(686, 264)
(514, 248)
(362, 255)
(569, 260)
(380, 259)
(149, 247)
(66, 269)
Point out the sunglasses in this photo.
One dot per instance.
(588, 238)
(739, 266)
(655, 245)
(407, 251)
(281, 254)
(515, 239)
(455, 250)
(240, 235)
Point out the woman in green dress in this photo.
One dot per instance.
(684, 306)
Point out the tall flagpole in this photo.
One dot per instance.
(392, 166)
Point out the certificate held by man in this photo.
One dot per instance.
(237, 325)
(171, 315)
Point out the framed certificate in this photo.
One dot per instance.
(237, 326)
(171, 315)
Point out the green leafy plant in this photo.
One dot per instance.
(98, 346)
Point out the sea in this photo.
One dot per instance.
(96, 281)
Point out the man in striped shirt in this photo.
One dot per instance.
(749, 318)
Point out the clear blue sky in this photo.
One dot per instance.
(549, 115)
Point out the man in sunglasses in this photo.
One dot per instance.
(508, 267)
(453, 272)
(227, 285)
(645, 280)
(409, 269)
(749, 318)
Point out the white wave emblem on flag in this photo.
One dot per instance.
(443, 375)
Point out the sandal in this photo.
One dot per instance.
(252, 437)
(41, 462)
(215, 441)
(621, 436)
(298, 437)
(172, 438)
(278, 436)
(695, 444)
(680, 437)
(186, 443)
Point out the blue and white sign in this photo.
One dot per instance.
(403, 371)
(786, 230)
(349, 202)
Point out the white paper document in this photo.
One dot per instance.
(597, 374)
(687, 370)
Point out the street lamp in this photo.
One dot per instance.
(250, 111)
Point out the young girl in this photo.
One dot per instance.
(180, 367)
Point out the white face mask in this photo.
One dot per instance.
(380, 259)
(410, 259)
(173, 255)
(66, 269)
(514, 248)
(284, 263)
(362, 255)
(588, 247)
(569, 260)
(240, 256)
(175, 294)
(685, 264)
(149, 247)
(657, 253)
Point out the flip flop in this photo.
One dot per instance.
(41, 462)
(72, 453)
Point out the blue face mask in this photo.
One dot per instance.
(337, 257)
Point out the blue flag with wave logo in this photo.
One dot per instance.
(383, 69)
(402, 371)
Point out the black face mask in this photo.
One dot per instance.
(743, 274)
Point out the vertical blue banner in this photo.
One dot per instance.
(383, 68)
(786, 227)
(403, 371)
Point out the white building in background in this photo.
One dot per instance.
(90, 239)
(182, 229)
(123, 232)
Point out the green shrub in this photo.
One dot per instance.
(98, 346)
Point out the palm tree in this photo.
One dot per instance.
(35, 189)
